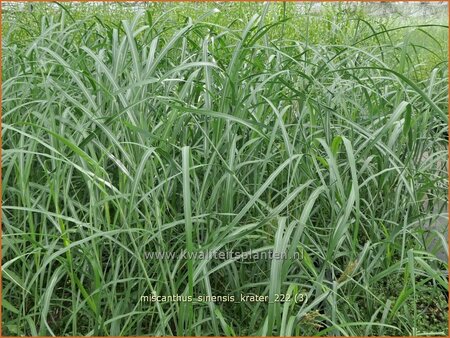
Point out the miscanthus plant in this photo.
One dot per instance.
(321, 139)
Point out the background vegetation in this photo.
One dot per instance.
(223, 127)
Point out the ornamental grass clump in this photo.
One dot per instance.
(228, 130)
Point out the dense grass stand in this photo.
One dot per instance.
(246, 128)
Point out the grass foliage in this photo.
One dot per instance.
(249, 128)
